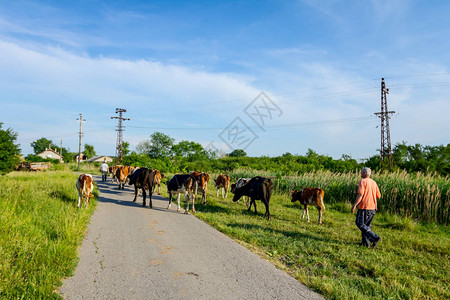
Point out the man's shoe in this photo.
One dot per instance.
(376, 242)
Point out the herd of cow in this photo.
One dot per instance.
(145, 179)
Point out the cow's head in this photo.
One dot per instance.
(218, 180)
(237, 193)
(295, 195)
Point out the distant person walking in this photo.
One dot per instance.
(368, 192)
(104, 170)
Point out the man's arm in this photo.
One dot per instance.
(358, 199)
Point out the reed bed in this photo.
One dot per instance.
(417, 196)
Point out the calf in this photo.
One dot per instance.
(112, 170)
(85, 185)
(222, 181)
(122, 175)
(258, 188)
(157, 180)
(142, 178)
(181, 184)
(202, 179)
(240, 183)
(310, 196)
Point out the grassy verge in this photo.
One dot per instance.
(40, 231)
(412, 261)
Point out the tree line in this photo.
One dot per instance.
(161, 152)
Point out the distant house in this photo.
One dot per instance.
(83, 157)
(52, 154)
(100, 159)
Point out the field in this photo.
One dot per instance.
(40, 231)
(412, 261)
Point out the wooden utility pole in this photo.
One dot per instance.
(79, 144)
(385, 152)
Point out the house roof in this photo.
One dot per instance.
(99, 157)
(50, 150)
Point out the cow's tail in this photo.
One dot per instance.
(85, 187)
(267, 189)
(320, 194)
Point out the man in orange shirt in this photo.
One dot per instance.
(368, 192)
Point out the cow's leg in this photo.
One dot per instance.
(144, 194)
(226, 192)
(150, 204)
(204, 197)
(267, 214)
(79, 199)
(136, 191)
(246, 200)
(307, 214)
(193, 203)
(178, 202)
(170, 200)
(186, 211)
(159, 186)
(305, 207)
(217, 194)
(320, 215)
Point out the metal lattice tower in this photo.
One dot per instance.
(385, 152)
(120, 129)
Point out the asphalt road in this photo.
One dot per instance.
(132, 252)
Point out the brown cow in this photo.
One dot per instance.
(122, 174)
(310, 196)
(202, 179)
(85, 185)
(222, 182)
(157, 176)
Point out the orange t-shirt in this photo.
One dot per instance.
(369, 190)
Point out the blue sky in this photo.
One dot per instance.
(192, 68)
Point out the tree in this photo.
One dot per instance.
(190, 150)
(41, 144)
(237, 153)
(9, 151)
(88, 151)
(125, 148)
(159, 146)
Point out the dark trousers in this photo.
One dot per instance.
(363, 221)
(104, 175)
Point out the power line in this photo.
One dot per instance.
(279, 126)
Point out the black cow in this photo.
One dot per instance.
(142, 178)
(258, 188)
(181, 184)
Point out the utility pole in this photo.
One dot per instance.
(120, 129)
(385, 152)
(79, 144)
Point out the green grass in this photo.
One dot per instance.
(40, 231)
(411, 262)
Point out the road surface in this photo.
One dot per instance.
(132, 252)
